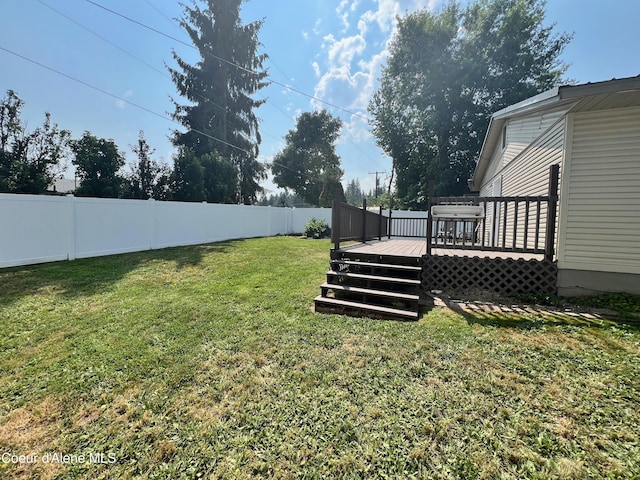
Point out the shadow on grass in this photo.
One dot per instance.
(86, 277)
(532, 317)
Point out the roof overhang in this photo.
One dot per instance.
(554, 98)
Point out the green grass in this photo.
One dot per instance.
(208, 362)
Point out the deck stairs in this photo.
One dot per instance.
(371, 285)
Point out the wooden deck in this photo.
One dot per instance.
(409, 247)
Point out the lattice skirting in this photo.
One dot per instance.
(502, 275)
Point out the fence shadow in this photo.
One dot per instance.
(86, 277)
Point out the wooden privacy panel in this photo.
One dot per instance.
(502, 275)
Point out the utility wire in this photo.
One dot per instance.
(163, 15)
(104, 39)
(117, 97)
(159, 115)
(164, 74)
(240, 67)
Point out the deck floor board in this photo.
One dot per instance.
(417, 247)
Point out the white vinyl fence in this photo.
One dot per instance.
(37, 229)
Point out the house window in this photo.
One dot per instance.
(504, 136)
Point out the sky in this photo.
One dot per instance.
(101, 73)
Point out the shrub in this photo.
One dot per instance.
(316, 228)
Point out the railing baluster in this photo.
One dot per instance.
(515, 225)
(504, 225)
(526, 224)
(538, 201)
(484, 224)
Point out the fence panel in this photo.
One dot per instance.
(39, 228)
(33, 229)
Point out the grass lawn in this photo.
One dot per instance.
(208, 362)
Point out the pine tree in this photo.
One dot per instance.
(220, 117)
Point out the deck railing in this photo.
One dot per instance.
(509, 224)
(522, 224)
(403, 226)
(353, 223)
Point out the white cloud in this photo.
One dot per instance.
(121, 103)
(342, 52)
(317, 27)
(354, 64)
(316, 68)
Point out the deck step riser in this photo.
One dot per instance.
(342, 307)
(373, 258)
(381, 284)
(371, 299)
(376, 269)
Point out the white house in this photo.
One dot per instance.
(593, 132)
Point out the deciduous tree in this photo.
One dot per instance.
(148, 178)
(97, 162)
(309, 164)
(29, 162)
(446, 74)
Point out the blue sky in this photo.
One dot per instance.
(330, 49)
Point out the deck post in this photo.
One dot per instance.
(380, 223)
(335, 224)
(432, 192)
(552, 209)
(364, 220)
(389, 224)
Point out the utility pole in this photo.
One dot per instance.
(377, 182)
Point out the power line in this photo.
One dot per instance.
(212, 55)
(159, 115)
(377, 182)
(70, 77)
(206, 99)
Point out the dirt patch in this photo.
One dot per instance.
(28, 433)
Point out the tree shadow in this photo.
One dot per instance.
(90, 276)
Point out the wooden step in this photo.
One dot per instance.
(379, 265)
(407, 281)
(372, 257)
(368, 291)
(374, 310)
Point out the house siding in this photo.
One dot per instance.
(602, 227)
(522, 132)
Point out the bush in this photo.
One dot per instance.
(316, 228)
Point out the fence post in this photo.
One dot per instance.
(364, 220)
(552, 209)
(389, 224)
(432, 192)
(71, 227)
(380, 223)
(335, 224)
(151, 215)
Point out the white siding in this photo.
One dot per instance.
(528, 175)
(521, 132)
(602, 228)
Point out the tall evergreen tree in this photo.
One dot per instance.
(354, 194)
(220, 116)
(447, 73)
